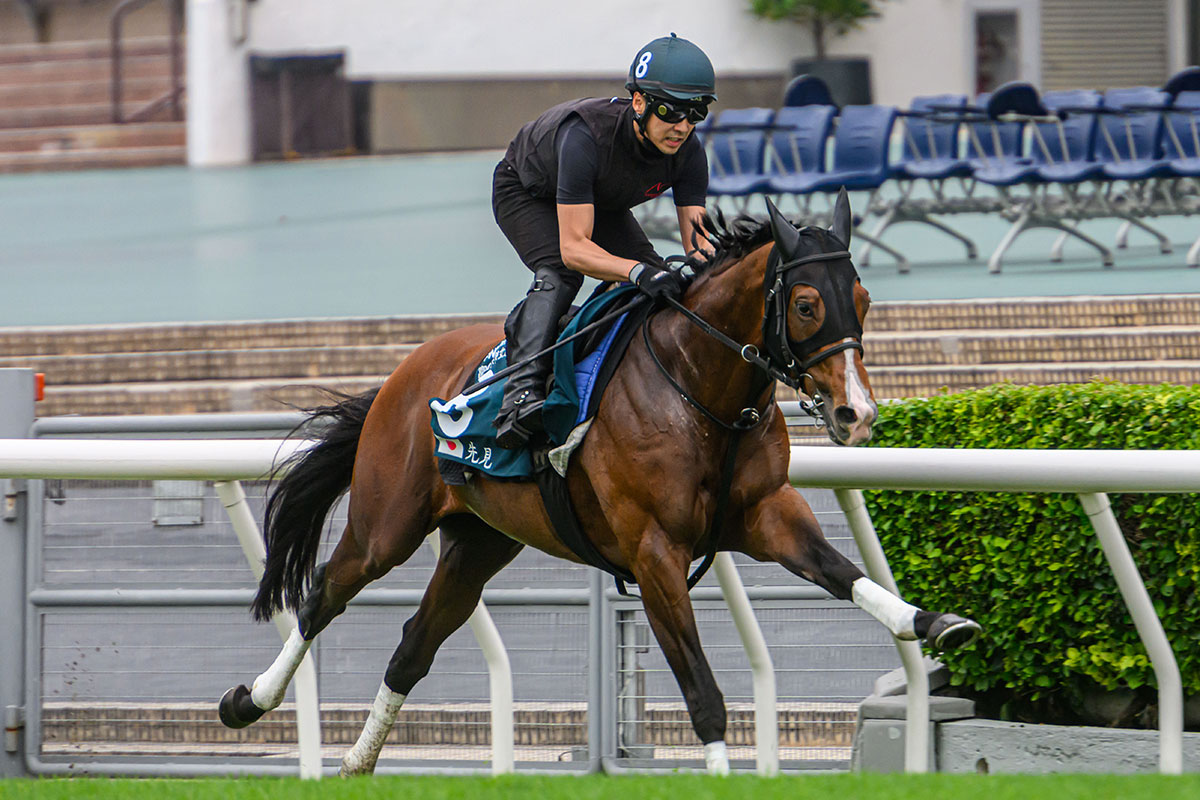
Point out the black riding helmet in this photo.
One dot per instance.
(675, 69)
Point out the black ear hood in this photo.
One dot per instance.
(787, 238)
(843, 220)
(818, 259)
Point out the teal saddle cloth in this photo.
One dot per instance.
(463, 424)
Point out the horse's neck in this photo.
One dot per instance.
(713, 373)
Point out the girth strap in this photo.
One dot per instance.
(557, 499)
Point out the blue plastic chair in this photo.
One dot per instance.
(807, 90)
(798, 140)
(1181, 145)
(860, 162)
(736, 144)
(930, 153)
(1130, 142)
(931, 128)
(996, 147)
(860, 154)
(1063, 150)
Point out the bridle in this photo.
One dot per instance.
(840, 326)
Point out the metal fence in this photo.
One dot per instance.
(136, 625)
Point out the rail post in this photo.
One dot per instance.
(16, 418)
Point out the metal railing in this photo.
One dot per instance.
(173, 98)
(227, 462)
(1088, 474)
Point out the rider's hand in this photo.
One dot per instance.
(656, 282)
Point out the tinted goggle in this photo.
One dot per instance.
(674, 112)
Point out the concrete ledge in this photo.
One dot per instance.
(984, 745)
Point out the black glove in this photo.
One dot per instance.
(657, 283)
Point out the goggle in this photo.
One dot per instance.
(672, 113)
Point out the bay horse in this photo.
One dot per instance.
(781, 303)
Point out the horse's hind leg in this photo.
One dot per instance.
(782, 528)
(334, 584)
(472, 552)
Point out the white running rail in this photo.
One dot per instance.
(1087, 473)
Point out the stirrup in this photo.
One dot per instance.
(516, 425)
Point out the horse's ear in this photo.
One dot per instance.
(843, 220)
(787, 238)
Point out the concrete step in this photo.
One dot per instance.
(332, 332)
(278, 394)
(925, 381)
(961, 347)
(141, 135)
(800, 725)
(87, 114)
(980, 348)
(200, 397)
(32, 73)
(85, 50)
(1035, 312)
(106, 158)
(85, 92)
(190, 365)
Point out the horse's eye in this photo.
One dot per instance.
(804, 309)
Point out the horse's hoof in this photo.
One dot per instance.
(950, 632)
(237, 710)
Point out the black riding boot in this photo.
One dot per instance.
(532, 326)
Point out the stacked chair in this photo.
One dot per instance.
(1049, 160)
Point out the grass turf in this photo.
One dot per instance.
(595, 787)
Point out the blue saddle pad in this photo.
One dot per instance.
(463, 424)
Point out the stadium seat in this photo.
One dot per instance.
(807, 90)
(736, 145)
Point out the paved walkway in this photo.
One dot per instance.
(398, 235)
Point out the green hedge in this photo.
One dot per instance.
(1028, 567)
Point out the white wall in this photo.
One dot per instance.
(915, 47)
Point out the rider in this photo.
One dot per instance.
(563, 193)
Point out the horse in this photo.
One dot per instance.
(773, 302)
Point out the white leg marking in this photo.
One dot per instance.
(269, 688)
(716, 759)
(362, 757)
(895, 614)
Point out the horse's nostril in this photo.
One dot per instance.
(845, 415)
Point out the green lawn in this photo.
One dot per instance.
(679, 787)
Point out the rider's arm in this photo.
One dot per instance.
(580, 253)
(576, 210)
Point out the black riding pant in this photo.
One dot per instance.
(531, 225)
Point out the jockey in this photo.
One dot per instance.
(562, 196)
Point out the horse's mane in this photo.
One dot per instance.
(735, 239)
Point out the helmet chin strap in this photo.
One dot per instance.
(643, 118)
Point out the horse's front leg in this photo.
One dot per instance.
(781, 528)
(660, 567)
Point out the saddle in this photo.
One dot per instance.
(582, 370)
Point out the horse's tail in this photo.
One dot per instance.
(298, 505)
